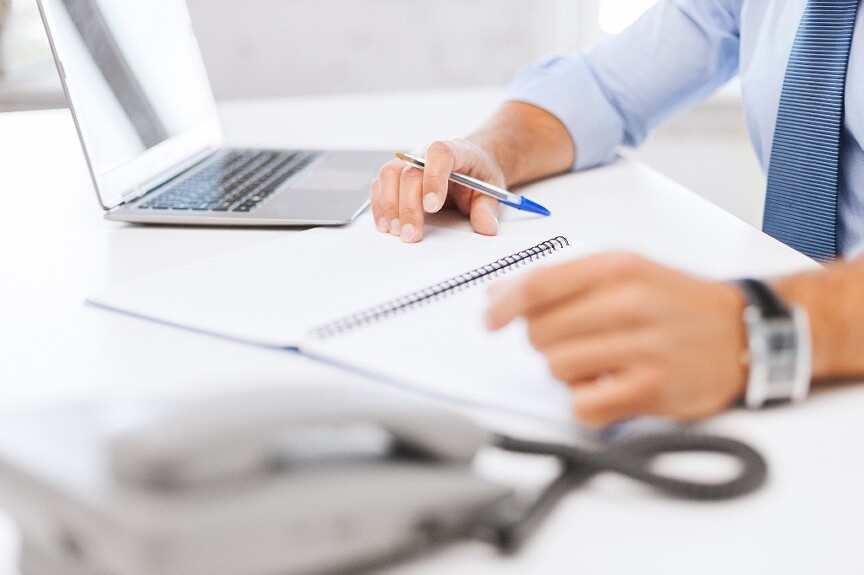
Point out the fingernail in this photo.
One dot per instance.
(430, 202)
(383, 227)
(494, 216)
(408, 233)
(395, 227)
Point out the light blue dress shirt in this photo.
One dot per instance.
(679, 53)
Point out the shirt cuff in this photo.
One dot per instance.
(567, 88)
(854, 252)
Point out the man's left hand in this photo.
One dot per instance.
(631, 337)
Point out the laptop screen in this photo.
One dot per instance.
(134, 78)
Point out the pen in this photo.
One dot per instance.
(502, 195)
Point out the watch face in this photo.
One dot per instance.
(779, 347)
(781, 334)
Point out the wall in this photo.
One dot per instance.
(288, 47)
(708, 150)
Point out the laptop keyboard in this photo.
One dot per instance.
(235, 181)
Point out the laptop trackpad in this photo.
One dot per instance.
(334, 179)
(324, 196)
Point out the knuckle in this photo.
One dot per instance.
(409, 212)
(536, 335)
(558, 370)
(391, 170)
(438, 149)
(409, 175)
(632, 303)
(558, 366)
(532, 287)
(390, 206)
(439, 162)
(626, 264)
(659, 348)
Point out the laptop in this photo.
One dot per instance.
(135, 81)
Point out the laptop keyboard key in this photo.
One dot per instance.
(236, 180)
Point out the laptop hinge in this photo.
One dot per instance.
(148, 185)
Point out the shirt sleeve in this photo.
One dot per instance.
(613, 94)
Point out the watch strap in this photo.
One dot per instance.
(763, 297)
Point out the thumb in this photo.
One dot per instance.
(484, 214)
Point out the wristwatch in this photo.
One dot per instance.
(780, 349)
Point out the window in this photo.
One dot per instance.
(22, 39)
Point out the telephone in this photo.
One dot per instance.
(285, 481)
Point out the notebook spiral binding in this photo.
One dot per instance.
(439, 290)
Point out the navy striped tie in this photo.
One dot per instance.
(801, 202)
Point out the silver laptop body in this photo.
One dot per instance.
(135, 81)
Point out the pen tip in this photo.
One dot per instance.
(534, 207)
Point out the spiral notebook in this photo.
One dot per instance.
(411, 314)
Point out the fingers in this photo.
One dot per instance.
(549, 286)
(484, 214)
(621, 396)
(440, 162)
(377, 211)
(385, 196)
(401, 195)
(631, 337)
(579, 360)
(424, 191)
(605, 312)
(409, 226)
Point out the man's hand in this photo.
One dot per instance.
(402, 195)
(518, 144)
(631, 337)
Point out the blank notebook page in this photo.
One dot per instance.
(272, 293)
(444, 349)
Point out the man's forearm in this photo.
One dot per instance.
(528, 143)
(834, 300)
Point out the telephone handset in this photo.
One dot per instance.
(247, 436)
(290, 480)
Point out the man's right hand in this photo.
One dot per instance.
(520, 143)
(402, 195)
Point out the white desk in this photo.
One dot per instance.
(56, 248)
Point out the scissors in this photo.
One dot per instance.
(632, 457)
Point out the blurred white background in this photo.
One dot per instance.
(272, 48)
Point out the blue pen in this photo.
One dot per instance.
(503, 196)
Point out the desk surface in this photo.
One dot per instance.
(56, 248)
